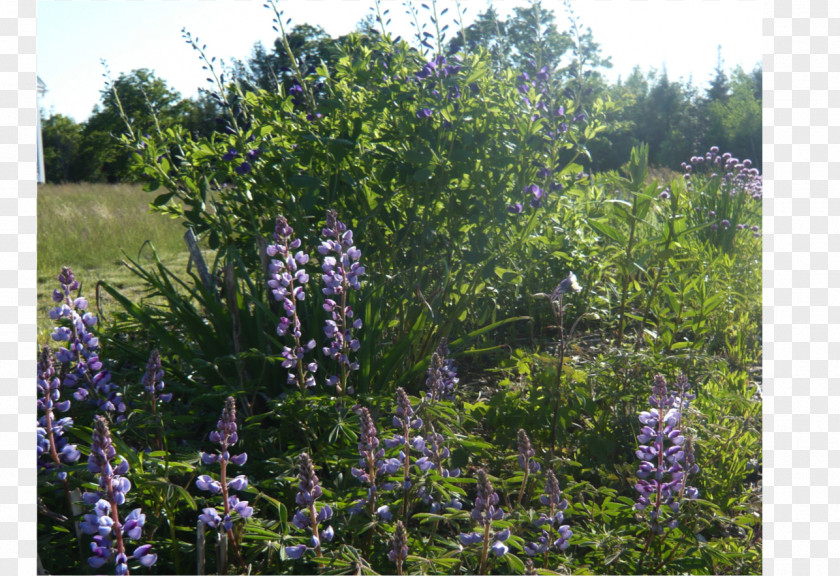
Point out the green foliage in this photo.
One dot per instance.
(61, 140)
(469, 203)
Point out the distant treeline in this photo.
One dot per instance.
(675, 118)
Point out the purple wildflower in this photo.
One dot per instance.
(664, 469)
(555, 535)
(109, 534)
(537, 194)
(52, 448)
(82, 368)
(441, 377)
(399, 547)
(567, 284)
(308, 516)
(526, 460)
(226, 436)
(371, 459)
(405, 422)
(153, 380)
(288, 279)
(485, 511)
(342, 271)
(434, 453)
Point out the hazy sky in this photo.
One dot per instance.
(74, 35)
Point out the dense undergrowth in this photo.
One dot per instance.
(428, 342)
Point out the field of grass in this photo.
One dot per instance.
(91, 227)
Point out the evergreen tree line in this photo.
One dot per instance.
(677, 119)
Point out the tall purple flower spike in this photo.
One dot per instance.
(79, 352)
(226, 435)
(667, 457)
(109, 534)
(308, 515)
(341, 273)
(287, 284)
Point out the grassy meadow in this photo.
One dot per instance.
(91, 228)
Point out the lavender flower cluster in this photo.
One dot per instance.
(371, 462)
(441, 376)
(485, 511)
(287, 284)
(53, 449)
(667, 459)
(342, 271)
(341, 274)
(735, 177)
(537, 97)
(108, 541)
(556, 534)
(226, 436)
(308, 516)
(80, 354)
(153, 380)
(432, 73)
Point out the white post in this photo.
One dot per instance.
(40, 91)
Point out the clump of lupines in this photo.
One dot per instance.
(226, 436)
(308, 516)
(556, 534)
(666, 458)
(725, 184)
(109, 533)
(84, 370)
(441, 376)
(342, 271)
(485, 511)
(526, 460)
(288, 279)
(53, 448)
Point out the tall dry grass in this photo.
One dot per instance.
(88, 226)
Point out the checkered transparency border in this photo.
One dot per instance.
(801, 134)
(18, 157)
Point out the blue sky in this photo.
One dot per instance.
(74, 35)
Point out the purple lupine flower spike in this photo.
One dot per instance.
(53, 448)
(308, 516)
(153, 379)
(555, 534)
(342, 271)
(226, 435)
(526, 460)
(287, 285)
(485, 511)
(667, 458)
(109, 534)
(526, 453)
(371, 457)
(399, 547)
(79, 353)
(441, 377)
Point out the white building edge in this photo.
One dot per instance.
(42, 89)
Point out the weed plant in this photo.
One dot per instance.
(436, 344)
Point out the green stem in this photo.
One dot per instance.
(483, 568)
